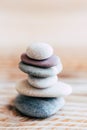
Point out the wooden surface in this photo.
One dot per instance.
(72, 116)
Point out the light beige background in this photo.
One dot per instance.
(61, 23)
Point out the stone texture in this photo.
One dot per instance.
(42, 82)
(57, 90)
(38, 107)
(40, 72)
(50, 62)
(39, 51)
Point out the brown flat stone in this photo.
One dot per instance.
(50, 62)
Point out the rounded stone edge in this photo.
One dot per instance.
(35, 54)
(17, 104)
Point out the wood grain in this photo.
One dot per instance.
(72, 116)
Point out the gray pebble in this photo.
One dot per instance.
(40, 72)
(38, 107)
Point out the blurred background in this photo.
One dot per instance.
(61, 23)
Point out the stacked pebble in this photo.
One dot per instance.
(41, 95)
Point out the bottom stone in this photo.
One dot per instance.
(38, 107)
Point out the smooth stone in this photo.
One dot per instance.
(42, 82)
(38, 107)
(40, 72)
(39, 51)
(50, 62)
(57, 90)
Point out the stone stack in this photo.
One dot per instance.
(41, 94)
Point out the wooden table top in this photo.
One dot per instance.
(72, 116)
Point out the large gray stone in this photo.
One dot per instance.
(38, 107)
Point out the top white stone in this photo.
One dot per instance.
(39, 51)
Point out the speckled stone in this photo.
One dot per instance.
(38, 107)
(50, 62)
(39, 51)
(42, 82)
(40, 72)
(57, 90)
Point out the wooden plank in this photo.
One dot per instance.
(72, 116)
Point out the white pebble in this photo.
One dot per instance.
(39, 51)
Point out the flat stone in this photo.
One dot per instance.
(39, 51)
(40, 72)
(50, 62)
(38, 107)
(42, 82)
(57, 90)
